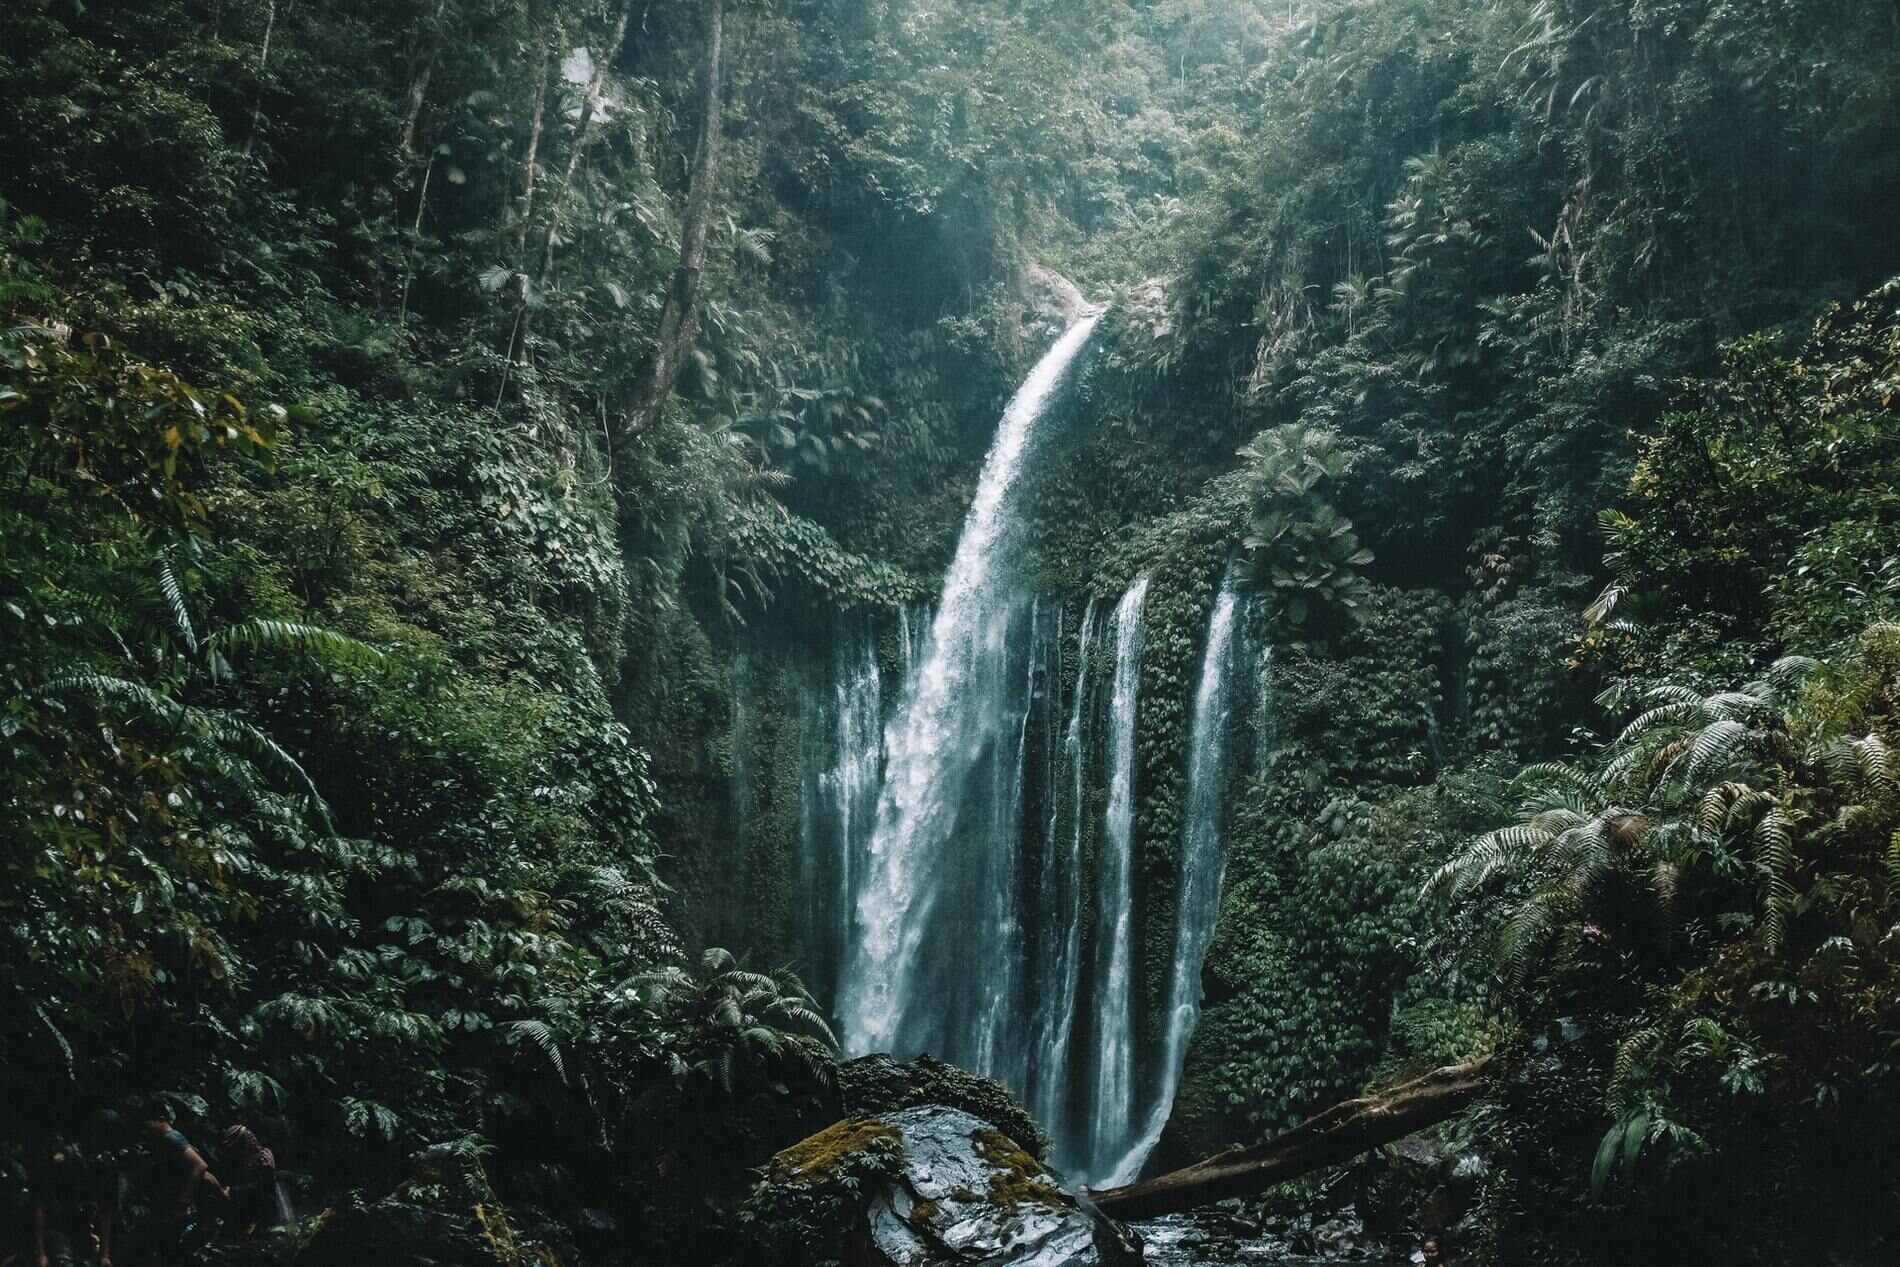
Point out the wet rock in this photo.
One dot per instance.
(1148, 306)
(1339, 1238)
(1392, 1185)
(596, 1230)
(872, 1085)
(1049, 294)
(927, 1186)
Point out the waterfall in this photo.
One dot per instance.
(1202, 862)
(1111, 1103)
(1062, 889)
(937, 940)
(837, 791)
(952, 884)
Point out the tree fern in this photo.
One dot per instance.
(1715, 744)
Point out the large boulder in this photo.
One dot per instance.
(871, 1085)
(1051, 296)
(927, 1186)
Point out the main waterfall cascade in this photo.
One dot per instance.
(966, 814)
(943, 855)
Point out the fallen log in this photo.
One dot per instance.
(1336, 1135)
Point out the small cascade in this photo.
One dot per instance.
(1202, 862)
(1111, 1102)
(838, 797)
(1062, 886)
(935, 960)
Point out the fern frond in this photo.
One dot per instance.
(1621, 1099)
(817, 1062)
(542, 1035)
(1482, 859)
(103, 686)
(1789, 672)
(1665, 878)
(799, 1014)
(1677, 712)
(791, 984)
(1559, 773)
(235, 733)
(323, 645)
(1774, 836)
(1875, 765)
(763, 1038)
(175, 604)
(1744, 705)
(1522, 940)
(1715, 743)
(750, 981)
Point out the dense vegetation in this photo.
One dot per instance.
(379, 645)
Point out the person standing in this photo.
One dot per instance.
(253, 1185)
(178, 1174)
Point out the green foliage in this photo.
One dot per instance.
(1303, 552)
(1708, 888)
(1764, 503)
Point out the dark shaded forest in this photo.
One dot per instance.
(450, 445)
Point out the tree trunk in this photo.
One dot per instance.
(583, 137)
(524, 210)
(1339, 1134)
(679, 319)
(263, 64)
(419, 85)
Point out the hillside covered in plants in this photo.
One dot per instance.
(618, 618)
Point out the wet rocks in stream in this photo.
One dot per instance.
(921, 1186)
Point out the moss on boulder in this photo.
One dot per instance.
(873, 1085)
